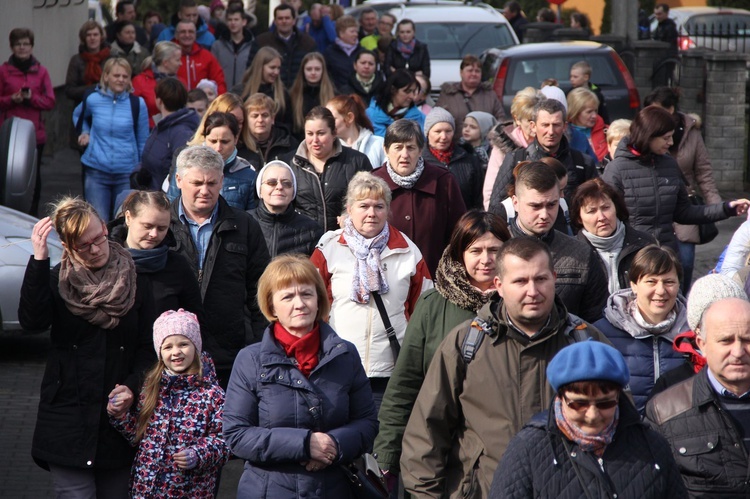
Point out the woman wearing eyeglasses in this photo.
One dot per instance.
(591, 443)
(100, 313)
(285, 230)
(643, 320)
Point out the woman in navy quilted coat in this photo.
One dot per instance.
(298, 403)
(591, 443)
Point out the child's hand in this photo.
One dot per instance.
(187, 459)
(120, 400)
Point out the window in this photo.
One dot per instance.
(453, 40)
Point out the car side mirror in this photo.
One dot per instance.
(18, 163)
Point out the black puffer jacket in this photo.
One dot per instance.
(634, 241)
(288, 232)
(321, 196)
(581, 283)
(655, 194)
(580, 168)
(705, 442)
(468, 172)
(235, 259)
(418, 61)
(281, 145)
(83, 365)
(541, 462)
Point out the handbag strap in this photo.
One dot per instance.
(389, 331)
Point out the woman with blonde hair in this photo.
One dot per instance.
(163, 63)
(510, 136)
(113, 139)
(263, 76)
(99, 312)
(312, 87)
(263, 140)
(582, 116)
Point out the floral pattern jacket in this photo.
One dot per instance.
(188, 414)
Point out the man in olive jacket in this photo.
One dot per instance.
(228, 253)
(479, 393)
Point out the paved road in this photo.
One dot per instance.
(22, 362)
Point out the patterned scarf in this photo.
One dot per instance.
(100, 296)
(443, 156)
(595, 444)
(406, 49)
(93, 72)
(452, 282)
(408, 181)
(368, 274)
(303, 351)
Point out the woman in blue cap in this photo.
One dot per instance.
(591, 443)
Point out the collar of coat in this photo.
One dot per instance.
(454, 87)
(494, 313)
(272, 354)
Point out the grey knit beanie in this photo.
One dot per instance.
(708, 290)
(485, 121)
(438, 115)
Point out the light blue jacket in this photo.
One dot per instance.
(203, 36)
(112, 146)
(380, 119)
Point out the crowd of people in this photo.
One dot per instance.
(287, 253)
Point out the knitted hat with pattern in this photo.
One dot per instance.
(174, 322)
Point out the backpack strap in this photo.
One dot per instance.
(581, 333)
(82, 116)
(478, 329)
(135, 110)
(566, 214)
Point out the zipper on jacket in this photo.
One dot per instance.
(657, 209)
(200, 276)
(657, 369)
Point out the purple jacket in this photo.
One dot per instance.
(42, 98)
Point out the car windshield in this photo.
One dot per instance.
(531, 72)
(454, 40)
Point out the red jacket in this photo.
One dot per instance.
(144, 86)
(199, 64)
(37, 79)
(599, 139)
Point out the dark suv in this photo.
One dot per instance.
(528, 65)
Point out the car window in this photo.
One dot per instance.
(721, 24)
(453, 40)
(530, 72)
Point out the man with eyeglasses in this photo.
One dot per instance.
(488, 377)
(285, 230)
(226, 249)
(706, 418)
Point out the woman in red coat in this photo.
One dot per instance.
(164, 62)
(26, 91)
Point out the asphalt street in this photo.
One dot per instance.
(22, 360)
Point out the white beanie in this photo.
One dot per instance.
(708, 290)
(556, 93)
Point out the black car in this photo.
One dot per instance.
(528, 65)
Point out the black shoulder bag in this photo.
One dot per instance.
(389, 331)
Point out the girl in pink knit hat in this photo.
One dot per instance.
(177, 423)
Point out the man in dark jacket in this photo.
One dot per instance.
(512, 12)
(548, 124)
(666, 31)
(581, 282)
(706, 418)
(232, 46)
(228, 253)
(479, 393)
(291, 43)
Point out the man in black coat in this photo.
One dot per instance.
(666, 31)
(581, 282)
(548, 124)
(291, 43)
(227, 251)
(706, 418)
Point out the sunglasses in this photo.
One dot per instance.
(272, 182)
(582, 405)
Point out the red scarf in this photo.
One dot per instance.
(94, 60)
(303, 350)
(443, 156)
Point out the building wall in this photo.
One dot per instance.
(55, 25)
